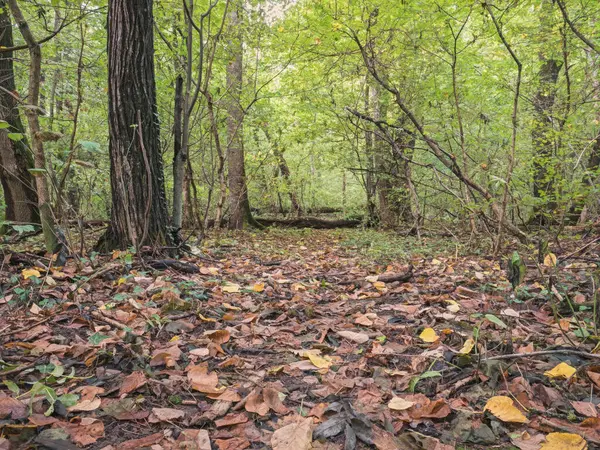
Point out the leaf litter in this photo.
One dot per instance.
(296, 340)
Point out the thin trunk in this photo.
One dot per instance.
(20, 196)
(32, 113)
(139, 209)
(238, 192)
(177, 144)
(370, 184)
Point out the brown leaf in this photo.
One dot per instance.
(359, 338)
(256, 404)
(84, 432)
(132, 382)
(295, 436)
(231, 419)
(146, 441)
(218, 336)
(165, 415)
(273, 401)
(203, 381)
(232, 444)
(194, 440)
(587, 409)
(13, 408)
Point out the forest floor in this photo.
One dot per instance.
(302, 339)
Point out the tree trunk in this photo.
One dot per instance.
(178, 158)
(238, 192)
(20, 196)
(32, 112)
(139, 209)
(542, 134)
(370, 182)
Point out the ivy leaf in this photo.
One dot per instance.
(97, 338)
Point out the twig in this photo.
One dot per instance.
(98, 315)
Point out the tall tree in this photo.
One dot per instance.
(238, 192)
(139, 208)
(32, 111)
(15, 158)
(543, 133)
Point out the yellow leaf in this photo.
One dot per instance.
(467, 347)
(564, 441)
(27, 273)
(50, 281)
(399, 404)
(379, 285)
(121, 281)
(504, 409)
(372, 278)
(231, 288)
(258, 287)
(231, 307)
(206, 319)
(320, 362)
(563, 370)
(452, 306)
(550, 260)
(429, 335)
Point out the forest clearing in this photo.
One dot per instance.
(299, 224)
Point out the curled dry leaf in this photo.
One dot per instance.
(203, 381)
(295, 436)
(504, 409)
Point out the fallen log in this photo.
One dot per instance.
(309, 222)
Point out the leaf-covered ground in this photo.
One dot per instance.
(299, 340)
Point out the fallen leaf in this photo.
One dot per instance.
(359, 338)
(399, 404)
(564, 441)
(320, 362)
(165, 415)
(587, 409)
(28, 273)
(295, 436)
(133, 381)
(467, 347)
(429, 335)
(562, 370)
(504, 409)
(218, 336)
(231, 288)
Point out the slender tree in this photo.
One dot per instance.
(139, 208)
(238, 192)
(32, 112)
(15, 158)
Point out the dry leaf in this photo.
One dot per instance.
(132, 382)
(318, 361)
(258, 287)
(218, 336)
(562, 370)
(400, 404)
(359, 338)
(467, 347)
(564, 441)
(231, 288)
(27, 273)
(504, 409)
(429, 335)
(165, 415)
(295, 436)
(550, 260)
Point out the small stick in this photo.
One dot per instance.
(28, 327)
(98, 315)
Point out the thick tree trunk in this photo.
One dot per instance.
(20, 196)
(239, 207)
(369, 179)
(139, 208)
(32, 112)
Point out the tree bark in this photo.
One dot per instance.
(139, 209)
(20, 196)
(32, 113)
(238, 193)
